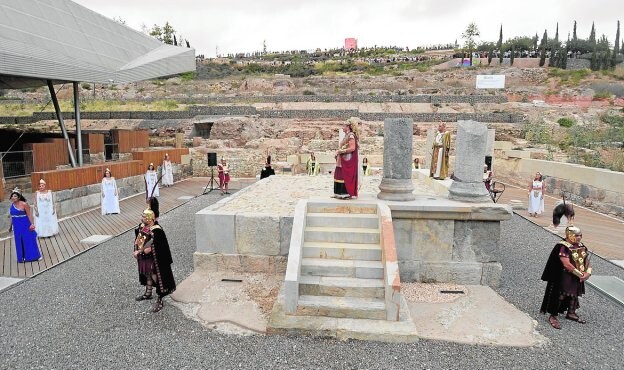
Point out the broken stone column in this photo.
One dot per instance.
(470, 148)
(397, 160)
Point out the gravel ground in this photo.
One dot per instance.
(82, 314)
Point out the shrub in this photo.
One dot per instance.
(537, 133)
(566, 122)
(86, 86)
(188, 76)
(308, 92)
(380, 132)
(602, 95)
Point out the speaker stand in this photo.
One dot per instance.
(211, 183)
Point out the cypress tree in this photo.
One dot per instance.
(543, 49)
(574, 32)
(513, 53)
(616, 46)
(557, 34)
(499, 45)
(592, 35)
(490, 52)
(594, 60)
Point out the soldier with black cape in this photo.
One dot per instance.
(566, 271)
(151, 249)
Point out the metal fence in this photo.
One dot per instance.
(17, 164)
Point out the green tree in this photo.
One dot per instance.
(574, 38)
(470, 35)
(499, 45)
(543, 45)
(490, 53)
(592, 34)
(167, 33)
(616, 46)
(535, 39)
(156, 32)
(513, 54)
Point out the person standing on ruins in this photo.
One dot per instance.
(312, 165)
(346, 174)
(46, 222)
(224, 176)
(440, 158)
(153, 255)
(566, 271)
(536, 195)
(110, 194)
(167, 172)
(151, 182)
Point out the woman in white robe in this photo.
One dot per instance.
(46, 222)
(110, 194)
(167, 172)
(536, 196)
(151, 182)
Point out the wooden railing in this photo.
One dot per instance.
(49, 154)
(157, 156)
(95, 143)
(129, 140)
(88, 175)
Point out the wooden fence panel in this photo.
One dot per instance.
(129, 140)
(95, 143)
(87, 175)
(157, 156)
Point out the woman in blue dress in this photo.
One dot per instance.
(23, 229)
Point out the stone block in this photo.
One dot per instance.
(433, 239)
(451, 272)
(292, 159)
(215, 232)
(410, 271)
(91, 201)
(476, 241)
(286, 225)
(185, 159)
(403, 239)
(254, 264)
(278, 264)
(491, 274)
(230, 262)
(95, 188)
(63, 195)
(257, 233)
(68, 207)
(205, 262)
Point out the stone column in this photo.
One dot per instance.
(397, 161)
(470, 146)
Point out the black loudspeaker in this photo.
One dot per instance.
(212, 159)
(488, 161)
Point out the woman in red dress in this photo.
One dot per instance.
(224, 176)
(346, 174)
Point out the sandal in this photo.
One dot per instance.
(554, 322)
(143, 297)
(575, 317)
(158, 305)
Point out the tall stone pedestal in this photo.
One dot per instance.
(471, 144)
(397, 162)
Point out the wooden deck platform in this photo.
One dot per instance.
(73, 229)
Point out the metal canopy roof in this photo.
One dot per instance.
(62, 41)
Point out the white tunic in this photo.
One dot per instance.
(536, 200)
(151, 182)
(46, 222)
(110, 196)
(167, 173)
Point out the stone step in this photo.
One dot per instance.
(355, 220)
(341, 287)
(344, 268)
(351, 307)
(341, 235)
(344, 251)
(341, 206)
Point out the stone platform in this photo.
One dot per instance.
(438, 240)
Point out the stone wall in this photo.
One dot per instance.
(597, 188)
(240, 110)
(578, 63)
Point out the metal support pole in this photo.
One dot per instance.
(59, 116)
(77, 118)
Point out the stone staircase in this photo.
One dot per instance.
(341, 280)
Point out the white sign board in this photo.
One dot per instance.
(490, 81)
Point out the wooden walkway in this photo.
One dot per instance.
(601, 233)
(73, 229)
